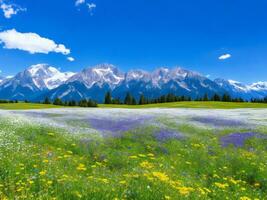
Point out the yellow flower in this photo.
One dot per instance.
(221, 185)
(104, 180)
(81, 167)
(69, 152)
(133, 157)
(49, 182)
(245, 198)
(78, 194)
(45, 161)
(150, 155)
(185, 190)
(167, 197)
(42, 172)
(257, 184)
(161, 176)
(142, 155)
(146, 165)
(122, 182)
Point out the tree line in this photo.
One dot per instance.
(81, 103)
(255, 100)
(8, 101)
(130, 100)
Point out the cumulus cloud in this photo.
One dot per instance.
(71, 59)
(91, 7)
(10, 9)
(224, 56)
(30, 42)
(79, 2)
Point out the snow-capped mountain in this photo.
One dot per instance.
(99, 75)
(237, 89)
(1, 79)
(32, 81)
(94, 82)
(41, 80)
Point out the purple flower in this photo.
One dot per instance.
(116, 126)
(218, 121)
(164, 135)
(239, 139)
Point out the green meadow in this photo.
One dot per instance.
(40, 162)
(192, 104)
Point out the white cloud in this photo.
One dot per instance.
(91, 7)
(224, 56)
(79, 2)
(0, 71)
(208, 75)
(71, 59)
(31, 42)
(10, 9)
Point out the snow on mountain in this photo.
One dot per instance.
(137, 75)
(47, 77)
(237, 89)
(1, 79)
(42, 80)
(99, 75)
(259, 86)
(32, 81)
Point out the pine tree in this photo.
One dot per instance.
(108, 99)
(128, 99)
(216, 97)
(47, 101)
(142, 100)
(205, 98)
(58, 101)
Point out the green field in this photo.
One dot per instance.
(25, 106)
(193, 104)
(41, 163)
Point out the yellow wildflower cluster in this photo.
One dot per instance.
(221, 185)
(185, 190)
(146, 165)
(161, 176)
(245, 198)
(81, 167)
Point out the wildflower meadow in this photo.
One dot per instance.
(153, 159)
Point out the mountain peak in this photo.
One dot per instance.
(100, 75)
(42, 68)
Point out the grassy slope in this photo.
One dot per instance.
(26, 106)
(193, 104)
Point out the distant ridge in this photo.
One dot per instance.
(41, 80)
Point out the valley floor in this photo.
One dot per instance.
(186, 104)
(120, 153)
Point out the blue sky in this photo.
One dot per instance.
(140, 34)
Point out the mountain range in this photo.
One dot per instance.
(42, 80)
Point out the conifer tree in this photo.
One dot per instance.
(108, 99)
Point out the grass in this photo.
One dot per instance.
(40, 162)
(193, 104)
(25, 106)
